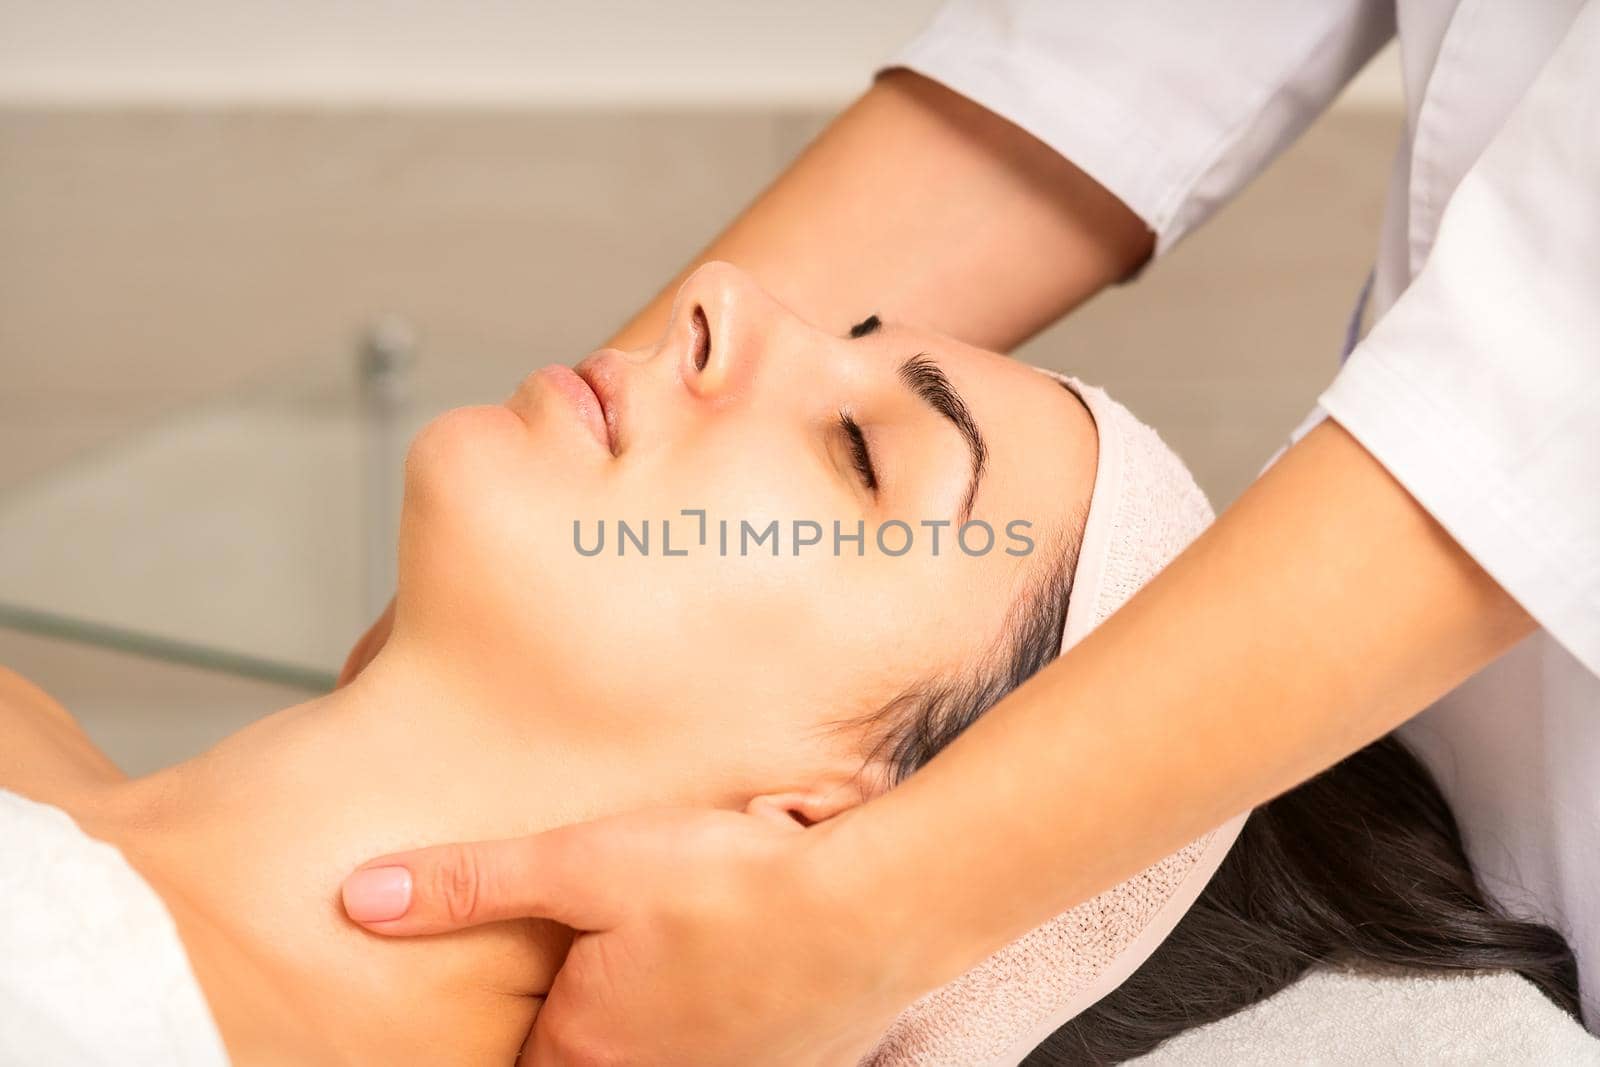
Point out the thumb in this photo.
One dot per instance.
(553, 875)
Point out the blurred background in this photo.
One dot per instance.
(247, 247)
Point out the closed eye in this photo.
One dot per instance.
(859, 453)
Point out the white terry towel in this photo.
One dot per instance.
(1348, 1018)
(92, 970)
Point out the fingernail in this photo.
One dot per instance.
(377, 894)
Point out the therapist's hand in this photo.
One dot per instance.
(704, 937)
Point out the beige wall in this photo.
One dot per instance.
(157, 256)
(588, 53)
(598, 53)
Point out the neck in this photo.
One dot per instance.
(248, 844)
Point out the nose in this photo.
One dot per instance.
(721, 323)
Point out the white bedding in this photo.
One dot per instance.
(92, 970)
(1341, 1017)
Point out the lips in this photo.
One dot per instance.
(582, 397)
(595, 391)
(604, 375)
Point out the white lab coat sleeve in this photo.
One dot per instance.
(1480, 388)
(1173, 107)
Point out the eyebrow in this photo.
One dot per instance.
(923, 377)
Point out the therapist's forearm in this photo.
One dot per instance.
(918, 205)
(1320, 611)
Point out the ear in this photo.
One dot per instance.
(805, 807)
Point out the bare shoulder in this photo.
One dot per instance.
(18, 696)
(44, 753)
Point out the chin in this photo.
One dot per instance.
(462, 449)
(480, 496)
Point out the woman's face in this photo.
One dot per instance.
(705, 634)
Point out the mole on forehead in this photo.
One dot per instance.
(870, 324)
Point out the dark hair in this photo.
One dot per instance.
(914, 726)
(1362, 864)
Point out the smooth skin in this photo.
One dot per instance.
(1321, 610)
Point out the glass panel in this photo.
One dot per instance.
(252, 534)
